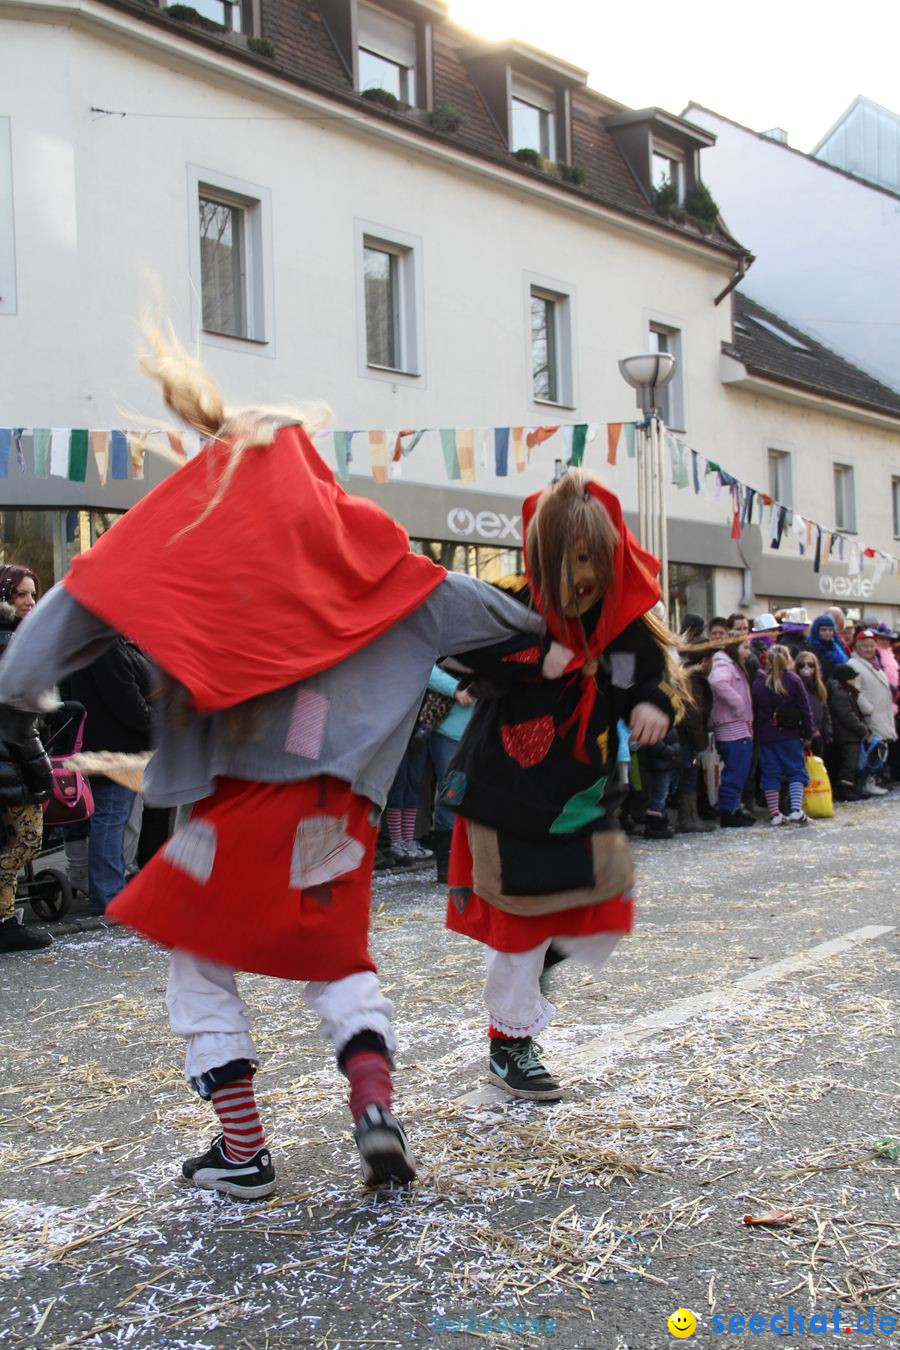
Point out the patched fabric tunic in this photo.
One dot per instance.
(272, 872)
(517, 772)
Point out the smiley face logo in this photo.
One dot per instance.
(682, 1323)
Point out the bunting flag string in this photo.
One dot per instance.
(118, 455)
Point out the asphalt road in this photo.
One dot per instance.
(738, 1058)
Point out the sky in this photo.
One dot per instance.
(795, 64)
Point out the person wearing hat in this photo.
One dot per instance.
(848, 731)
(876, 701)
(763, 635)
(824, 641)
(794, 628)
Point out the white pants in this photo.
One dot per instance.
(512, 991)
(206, 1009)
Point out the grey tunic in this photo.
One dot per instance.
(352, 721)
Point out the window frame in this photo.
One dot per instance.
(248, 12)
(8, 291)
(674, 157)
(255, 202)
(405, 61)
(779, 462)
(844, 519)
(543, 100)
(672, 395)
(407, 249)
(562, 296)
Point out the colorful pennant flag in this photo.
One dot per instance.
(5, 447)
(451, 455)
(100, 451)
(501, 451)
(78, 455)
(378, 455)
(613, 435)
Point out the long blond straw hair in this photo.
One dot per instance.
(192, 394)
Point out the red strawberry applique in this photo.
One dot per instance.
(528, 742)
(529, 657)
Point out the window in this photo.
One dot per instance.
(780, 481)
(231, 258)
(223, 267)
(386, 53)
(895, 498)
(550, 339)
(670, 397)
(667, 169)
(533, 120)
(229, 13)
(7, 224)
(390, 302)
(844, 498)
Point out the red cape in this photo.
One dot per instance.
(633, 590)
(287, 576)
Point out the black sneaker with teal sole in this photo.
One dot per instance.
(212, 1171)
(515, 1067)
(383, 1150)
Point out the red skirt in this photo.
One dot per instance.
(269, 877)
(521, 932)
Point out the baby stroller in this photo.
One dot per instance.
(47, 889)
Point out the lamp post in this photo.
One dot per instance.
(648, 373)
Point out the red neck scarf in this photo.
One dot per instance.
(285, 577)
(633, 590)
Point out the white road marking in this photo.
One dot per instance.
(640, 1028)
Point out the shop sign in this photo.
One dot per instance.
(847, 588)
(485, 524)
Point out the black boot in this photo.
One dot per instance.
(656, 826)
(440, 843)
(15, 937)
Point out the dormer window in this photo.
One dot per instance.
(662, 151)
(528, 94)
(386, 53)
(667, 167)
(388, 45)
(533, 117)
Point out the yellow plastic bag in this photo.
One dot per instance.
(817, 800)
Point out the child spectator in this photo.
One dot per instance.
(783, 723)
(848, 731)
(693, 731)
(807, 667)
(731, 722)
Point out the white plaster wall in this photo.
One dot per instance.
(102, 204)
(826, 246)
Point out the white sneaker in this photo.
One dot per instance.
(872, 789)
(778, 820)
(798, 818)
(418, 851)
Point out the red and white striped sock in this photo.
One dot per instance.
(394, 818)
(409, 815)
(235, 1105)
(773, 801)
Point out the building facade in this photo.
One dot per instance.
(365, 205)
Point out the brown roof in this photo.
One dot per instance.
(776, 349)
(306, 55)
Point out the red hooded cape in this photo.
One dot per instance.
(633, 590)
(286, 576)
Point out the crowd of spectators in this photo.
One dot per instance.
(767, 693)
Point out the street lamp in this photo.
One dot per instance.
(648, 373)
